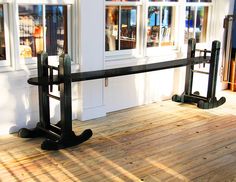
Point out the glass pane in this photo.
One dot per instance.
(168, 26)
(201, 24)
(112, 30)
(153, 27)
(128, 27)
(189, 23)
(2, 35)
(163, 0)
(191, 0)
(31, 30)
(56, 32)
(123, 0)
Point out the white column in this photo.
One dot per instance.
(91, 53)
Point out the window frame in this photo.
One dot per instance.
(209, 25)
(142, 23)
(31, 62)
(159, 51)
(119, 54)
(7, 61)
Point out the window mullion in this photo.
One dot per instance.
(44, 28)
(69, 28)
(6, 32)
(138, 20)
(195, 21)
(119, 28)
(160, 36)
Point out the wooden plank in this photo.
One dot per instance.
(164, 141)
(224, 173)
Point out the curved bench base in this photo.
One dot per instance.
(56, 144)
(201, 102)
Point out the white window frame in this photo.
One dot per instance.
(7, 62)
(162, 50)
(119, 54)
(31, 62)
(142, 17)
(196, 5)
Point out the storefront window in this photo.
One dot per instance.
(168, 25)
(31, 30)
(163, 0)
(161, 24)
(56, 32)
(2, 35)
(121, 27)
(196, 23)
(204, 1)
(189, 23)
(128, 28)
(153, 29)
(123, 0)
(164, 21)
(31, 27)
(112, 28)
(201, 24)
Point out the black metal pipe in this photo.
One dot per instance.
(52, 67)
(49, 134)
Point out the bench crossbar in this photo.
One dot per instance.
(91, 75)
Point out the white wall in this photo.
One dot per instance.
(133, 90)
(128, 91)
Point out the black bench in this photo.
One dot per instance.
(61, 135)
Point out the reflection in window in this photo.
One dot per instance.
(31, 27)
(167, 29)
(123, 0)
(153, 28)
(163, 0)
(189, 23)
(128, 28)
(112, 30)
(205, 1)
(2, 35)
(201, 24)
(121, 33)
(31, 30)
(56, 34)
(196, 27)
(165, 34)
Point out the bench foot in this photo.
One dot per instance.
(177, 98)
(27, 133)
(73, 140)
(201, 102)
(213, 103)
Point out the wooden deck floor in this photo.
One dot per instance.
(164, 141)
